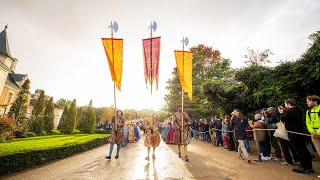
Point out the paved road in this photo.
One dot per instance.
(206, 162)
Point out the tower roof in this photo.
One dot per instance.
(4, 44)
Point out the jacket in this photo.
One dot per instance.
(258, 125)
(313, 120)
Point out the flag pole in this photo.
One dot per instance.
(114, 83)
(182, 124)
(151, 55)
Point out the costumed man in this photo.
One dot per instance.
(182, 133)
(152, 136)
(117, 133)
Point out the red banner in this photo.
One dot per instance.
(151, 55)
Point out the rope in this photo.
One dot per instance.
(293, 132)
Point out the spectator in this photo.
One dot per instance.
(272, 120)
(260, 135)
(313, 120)
(293, 120)
(218, 126)
(239, 124)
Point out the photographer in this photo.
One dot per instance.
(272, 120)
(293, 120)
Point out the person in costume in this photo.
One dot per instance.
(152, 136)
(136, 131)
(126, 135)
(131, 130)
(117, 133)
(182, 134)
(170, 135)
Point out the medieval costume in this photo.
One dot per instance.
(117, 133)
(182, 134)
(131, 131)
(136, 131)
(152, 136)
(170, 135)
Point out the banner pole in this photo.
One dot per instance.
(182, 124)
(114, 83)
(151, 56)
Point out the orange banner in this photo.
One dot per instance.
(114, 51)
(184, 67)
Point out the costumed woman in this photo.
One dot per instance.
(182, 134)
(117, 133)
(136, 131)
(152, 136)
(170, 135)
(131, 130)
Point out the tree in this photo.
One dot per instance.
(63, 102)
(107, 114)
(36, 120)
(89, 119)
(18, 109)
(207, 64)
(49, 116)
(256, 58)
(63, 119)
(70, 121)
(80, 115)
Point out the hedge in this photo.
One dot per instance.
(18, 161)
(102, 132)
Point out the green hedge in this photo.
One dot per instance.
(15, 162)
(102, 132)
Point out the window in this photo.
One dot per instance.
(9, 97)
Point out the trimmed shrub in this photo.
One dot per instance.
(15, 162)
(76, 131)
(30, 134)
(7, 128)
(102, 132)
(55, 132)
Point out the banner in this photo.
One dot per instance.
(114, 51)
(151, 58)
(184, 67)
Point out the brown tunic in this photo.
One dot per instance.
(152, 139)
(186, 133)
(117, 137)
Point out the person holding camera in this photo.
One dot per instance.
(117, 133)
(272, 120)
(293, 120)
(239, 125)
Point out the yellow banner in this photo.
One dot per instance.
(184, 67)
(114, 51)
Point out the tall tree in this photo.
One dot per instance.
(204, 60)
(89, 119)
(63, 119)
(18, 109)
(80, 115)
(63, 102)
(257, 58)
(107, 114)
(71, 118)
(36, 120)
(49, 116)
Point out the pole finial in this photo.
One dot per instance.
(6, 27)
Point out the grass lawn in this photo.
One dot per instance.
(45, 142)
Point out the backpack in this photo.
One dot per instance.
(219, 124)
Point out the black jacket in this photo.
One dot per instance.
(293, 119)
(239, 127)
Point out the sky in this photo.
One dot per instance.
(58, 43)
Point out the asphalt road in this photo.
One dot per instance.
(206, 162)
